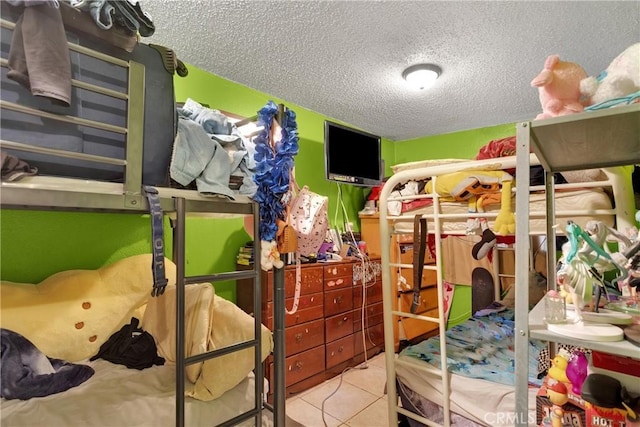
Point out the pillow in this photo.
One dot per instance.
(211, 322)
(160, 321)
(229, 325)
(70, 314)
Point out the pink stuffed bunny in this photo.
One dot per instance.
(559, 88)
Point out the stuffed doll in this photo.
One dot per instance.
(621, 78)
(559, 88)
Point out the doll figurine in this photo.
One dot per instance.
(557, 394)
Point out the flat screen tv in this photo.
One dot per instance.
(352, 156)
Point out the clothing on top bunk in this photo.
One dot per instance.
(39, 54)
(209, 149)
(14, 169)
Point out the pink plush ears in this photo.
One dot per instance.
(546, 76)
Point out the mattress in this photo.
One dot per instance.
(117, 396)
(480, 361)
(496, 398)
(594, 203)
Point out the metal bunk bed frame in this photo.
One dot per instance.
(555, 142)
(69, 194)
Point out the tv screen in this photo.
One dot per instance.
(352, 156)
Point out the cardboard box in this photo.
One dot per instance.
(573, 416)
(604, 417)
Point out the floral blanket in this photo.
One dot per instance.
(481, 347)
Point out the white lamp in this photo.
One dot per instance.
(422, 76)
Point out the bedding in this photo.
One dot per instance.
(588, 200)
(79, 308)
(117, 396)
(211, 323)
(71, 314)
(481, 362)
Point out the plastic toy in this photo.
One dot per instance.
(577, 371)
(559, 87)
(557, 394)
(558, 369)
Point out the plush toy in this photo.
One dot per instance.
(559, 87)
(621, 78)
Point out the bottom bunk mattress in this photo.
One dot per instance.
(481, 362)
(118, 396)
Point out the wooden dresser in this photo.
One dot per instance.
(324, 336)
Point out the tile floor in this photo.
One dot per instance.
(358, 402)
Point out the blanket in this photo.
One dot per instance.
(482, 347)
(25, 372)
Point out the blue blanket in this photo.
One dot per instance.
(481, 347)
(25, 372)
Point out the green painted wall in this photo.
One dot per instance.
(36, 244)
(456, 145)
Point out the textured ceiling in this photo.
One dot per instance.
(344, 59)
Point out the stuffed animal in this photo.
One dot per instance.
(621, 78)
(559, 87)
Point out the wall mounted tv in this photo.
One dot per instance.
(352, 156)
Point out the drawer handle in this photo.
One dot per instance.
(340, 349)
(338, 300)
(298, 337)
(339, 282)
(298, 365)
(331, 283)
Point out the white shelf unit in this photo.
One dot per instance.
(586, 140)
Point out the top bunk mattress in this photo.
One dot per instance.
(580, 206)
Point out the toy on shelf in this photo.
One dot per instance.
(559, 87)
(577, 371)
(557, 394)
(558, 369)
(619, 80)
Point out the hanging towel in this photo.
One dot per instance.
(39, 54)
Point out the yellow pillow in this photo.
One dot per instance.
(70, 314)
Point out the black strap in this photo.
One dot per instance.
(419, 248)
(157, 241)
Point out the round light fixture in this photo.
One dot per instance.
(422, 76)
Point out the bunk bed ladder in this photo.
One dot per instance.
(388, 294)
(179, 227)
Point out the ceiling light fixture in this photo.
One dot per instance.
(422, 76)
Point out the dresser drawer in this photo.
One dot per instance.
(373, 316)
(310, 307)
(415, 327)
(310, 281)
(339, 351)
(333, 271)
(303, 365)
(338, 301)
(372, 273)
(338, 326)
(303, 337)
(338, 282)
(374, 294)
(428, 300)
(374, 337)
